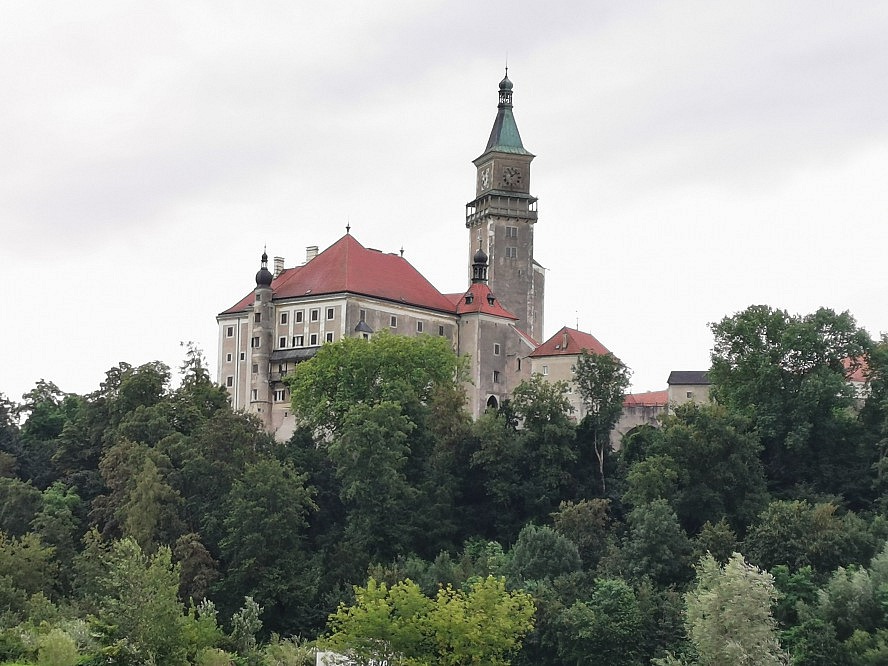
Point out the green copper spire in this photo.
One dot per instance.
(504, 137)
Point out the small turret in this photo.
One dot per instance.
(479, 267)
(264, 276)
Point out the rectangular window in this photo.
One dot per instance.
(257, 317)
(496, 376)
(282, 368)
(545, 370)
(285, 317)
(313, 340)
(329, 337)
(282, 342)
(330, 312)
(519, 364)
(363, 316)
(279, 395)
(440, 330)
(394, 322)
(690, 395)
(366, 336)
(228, 358)
(243, 355)
(255, 368)
(229, 381)
(419, 327)
(299, 314)
(254, 343)
(229, 331)
(254, 394)
(315, 314)
(298, 340)
(511, 253)
(511, 232)
(496, 349)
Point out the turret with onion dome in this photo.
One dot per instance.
(479, 267)
(264, 276)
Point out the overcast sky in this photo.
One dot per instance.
(693, 158)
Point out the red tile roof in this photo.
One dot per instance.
(479, 294)
(856, 371)
(648, 399)
(570, 341)
(347, 266)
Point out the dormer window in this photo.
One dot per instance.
(469, 299)
(490, 299)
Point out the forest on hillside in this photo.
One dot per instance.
(148, 523)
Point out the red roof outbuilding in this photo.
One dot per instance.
(569, 341)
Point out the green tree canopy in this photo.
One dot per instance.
(705, 461)
(602, 380)
(386, 368)
(789, 374)
(729, 615)
(798, 534)
(399, 625)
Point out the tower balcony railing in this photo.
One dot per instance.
(511, 207)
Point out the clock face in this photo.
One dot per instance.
(511, 176)
(485, 178)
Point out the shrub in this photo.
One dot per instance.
(57, 648)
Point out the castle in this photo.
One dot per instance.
(349, 290)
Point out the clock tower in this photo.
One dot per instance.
(502, 216)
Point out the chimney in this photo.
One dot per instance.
(310, 253)
(278, 266)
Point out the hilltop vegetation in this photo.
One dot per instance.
(150, 524)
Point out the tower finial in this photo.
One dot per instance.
(348, 227)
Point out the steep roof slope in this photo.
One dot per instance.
(569, 341)
(347, 266)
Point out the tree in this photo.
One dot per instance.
(706, 463)
(602, 380)
(386, 368)
(198, 569)
(380, 504)
(197, 397)
(546, 442)
(541, 553)
(587, 523)
(789, 375)
(874, 414)
(729, 614)
(48, 410)
(385, 625)
(400, 625)
(607, 625)
(798, 534)
(138, 603)
(263, 549)
(483, 625)
(10, 444)
(657, 547)
(150, 514)
(498, 466)
(57, 524)
(19, 503)
(28, 563)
